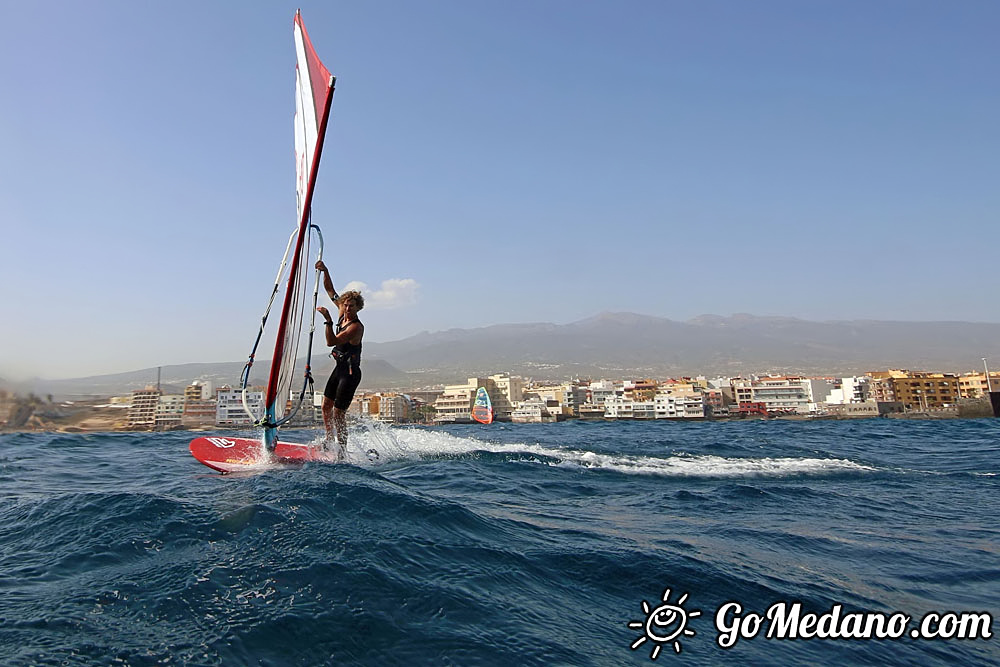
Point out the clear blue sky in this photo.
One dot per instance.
(512, 161)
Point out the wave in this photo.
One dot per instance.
(396, 445)
(468, 545)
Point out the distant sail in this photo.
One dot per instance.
(482, 410)
(313, 97)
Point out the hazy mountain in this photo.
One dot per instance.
(629, 343)
(376, 373)
(615, 345)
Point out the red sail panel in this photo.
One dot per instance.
(318, 75)
(482, 415)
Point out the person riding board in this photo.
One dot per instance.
(345, 339)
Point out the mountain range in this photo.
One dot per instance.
(615, 345)
(629, 343)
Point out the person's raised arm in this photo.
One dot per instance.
(327, 280)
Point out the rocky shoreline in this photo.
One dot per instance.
(34, 413)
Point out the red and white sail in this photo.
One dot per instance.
(313, 97)
(313, 89)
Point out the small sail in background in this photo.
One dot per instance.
(482, 409)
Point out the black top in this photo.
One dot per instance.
(346, 352)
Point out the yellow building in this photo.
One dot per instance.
(974, 385)
(388, 407)
(916, 390)
(641, 390)
(685, 388)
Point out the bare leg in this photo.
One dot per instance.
(328, 419)
(340, 420)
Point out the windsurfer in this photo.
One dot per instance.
(345, 339)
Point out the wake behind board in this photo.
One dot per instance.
(232, 454)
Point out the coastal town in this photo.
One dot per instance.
(203, 406)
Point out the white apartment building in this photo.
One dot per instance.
(601, 390)
(229, 406)
(851, 390)
(819, 389)
(778, 394)
(142, 409)
(455, 403)
(684, 406)
(621, 407)
(304, 412)
(169, 411)
(640, 400)
(534, 409)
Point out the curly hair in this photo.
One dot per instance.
(353, 296)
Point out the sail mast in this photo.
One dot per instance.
(314, 98)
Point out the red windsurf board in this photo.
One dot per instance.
(231, 454)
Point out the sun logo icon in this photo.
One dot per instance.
(664, 625)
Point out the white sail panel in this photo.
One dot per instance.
(312, 87)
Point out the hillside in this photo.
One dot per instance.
(612, 345)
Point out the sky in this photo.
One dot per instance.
(490, 162)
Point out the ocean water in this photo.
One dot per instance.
(500, 545)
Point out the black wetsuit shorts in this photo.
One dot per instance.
(342, 384)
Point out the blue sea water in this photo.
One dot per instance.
(500, 545)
